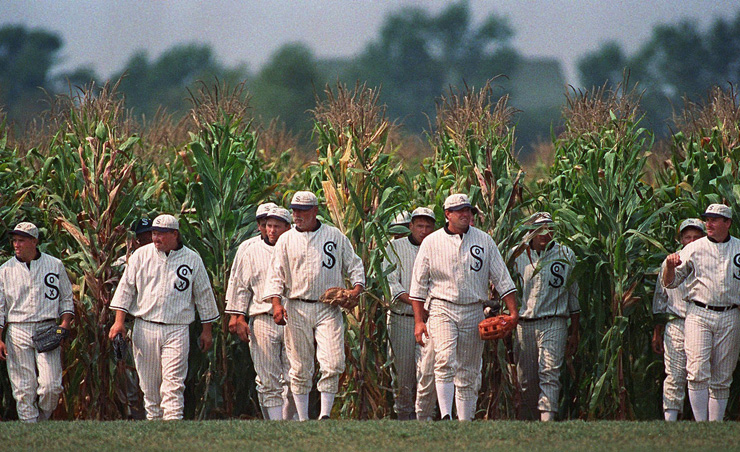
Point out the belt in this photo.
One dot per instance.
(404, 315)
(304, 300)
(540, 318)
(714, 308)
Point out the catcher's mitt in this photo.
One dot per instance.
(119, 347)
(496, 327)
(49, 337)
(338, 296)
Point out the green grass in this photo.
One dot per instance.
(378, 436)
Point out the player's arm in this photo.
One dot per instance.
(418, 292)
(394, 276)
(276, 282)
(3, 349)
(660, 308)
(118, 325)
(675, 270)
(353, 267)
(202, 295)
(499, 276)
(66, 303)
(124, 297)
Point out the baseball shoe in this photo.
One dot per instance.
(325, 418)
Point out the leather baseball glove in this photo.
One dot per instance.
(49, 337)
(496, 327)
(338, 296)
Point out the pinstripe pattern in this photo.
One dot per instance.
(401, 253)
(248, 280)
(403, 353)
(267, 347)
(161, 358)
(236, 268)
(674, 386)
(540, 353)
(546, 286)
(426, 393)
(32, 373)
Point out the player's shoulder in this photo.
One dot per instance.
(481, 236)
(9, 263)
(48, 259)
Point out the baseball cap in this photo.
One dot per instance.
(26, 229)
(540, 218)
(692, 223)
(423, 212)
(718, 211)
(165, 222)
(141, 226)
(280, 213)
(401, 219)
(459, 201)
(263, 209)
(303, 200)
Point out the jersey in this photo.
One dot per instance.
(401, 253)
(236, 267)
(546, 287)
(250, 280)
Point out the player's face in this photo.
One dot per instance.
(717, 228)
(421, 227)
(459, 220)
(689, 235)
(541, 240)
(165, 241)
(262, 226)
(145, 238)
(24, 247)
(275, 228)
(305, 220)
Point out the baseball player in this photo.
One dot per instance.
(399, 227)
(404, 351)
(543, 336)
(265, 337)
(306, 262)
(453, 270)
(161, 287)
(710, 269)
(34, 292)
(669, 308)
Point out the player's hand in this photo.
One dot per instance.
(420, 332)
(571, 347)
(241, 329)
(673, 260)
(205, 341)
(355, 293)
(278, 314)
(657, 341)
(232, 324)
(3, 351)
(116, 329)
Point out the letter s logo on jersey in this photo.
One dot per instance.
(736, 261)
(329, 249)
(477, 253)
(183, 273)
(51, 280)
(557, 277)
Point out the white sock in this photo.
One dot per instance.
(717, 409)
(547, 416)
(445, 395)
(465, 409)
(671, 415)
(275, 413)
(699, 403)
(301, 406)
(327, 402)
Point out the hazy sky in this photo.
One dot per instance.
(104, 33)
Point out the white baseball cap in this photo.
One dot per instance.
(692, 223)
(401, 219)
(540, 218)
(423, 212)
(718, 211)
(165, 222)
(263, 209)
(26, 229)
(459, 201)
(303, 200)
(280, 213)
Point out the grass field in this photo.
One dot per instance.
(368, 436)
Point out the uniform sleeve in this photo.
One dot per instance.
(352, 263)
(682, 271)
(125, 295)
(278, 269)
(660, 298)
(2, 302)
(394, 277)
(242, 293)
(236, 268)
(498, 274)
(66, 300)
(203, 296)
(420, 275)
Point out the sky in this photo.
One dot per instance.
(103, 34)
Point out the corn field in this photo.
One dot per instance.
(86, 169)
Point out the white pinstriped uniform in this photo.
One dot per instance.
(548, 299)
(304, 265)
(236, 266)
(29, 297)
(404, 351)
(162, 292)
(711, 272)
(454, 271)
(672, 304)
(267, 339)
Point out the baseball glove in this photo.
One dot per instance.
(496, 327)
(338, 296)
(119, 347)
(49, 337)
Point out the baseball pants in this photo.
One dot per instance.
(540, 353)
(426, 392)
(403, 353)
(161, 358)
(458, 348)
(314, 331)
(712, 344)
(674, 386)
(267, 346)
(35, 378)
